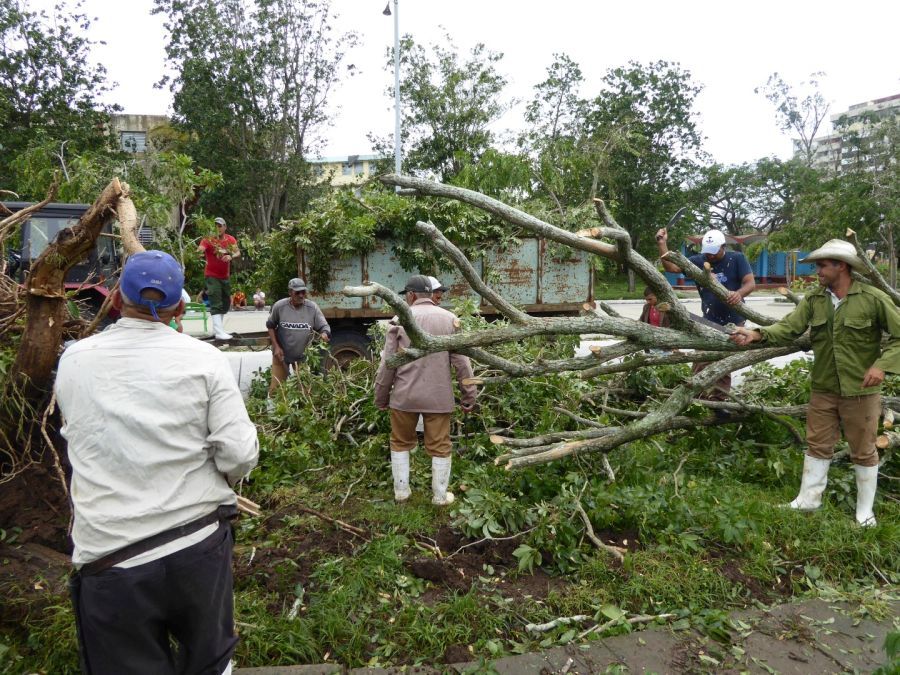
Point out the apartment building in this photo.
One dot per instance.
(850, 143)
(345, 170)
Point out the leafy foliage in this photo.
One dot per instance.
(340, 224)
(49, 90)
(251, 85)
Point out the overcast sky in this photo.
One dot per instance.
(729, 47)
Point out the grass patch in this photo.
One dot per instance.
(698, 513)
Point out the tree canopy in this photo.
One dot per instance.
(251, 84)
(50, 91)
(448, 105)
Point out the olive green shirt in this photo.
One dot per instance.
(846, 339)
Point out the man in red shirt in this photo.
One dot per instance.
(219, 251)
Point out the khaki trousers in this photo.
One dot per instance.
(437, 432)
(858, 415)
(280, 372)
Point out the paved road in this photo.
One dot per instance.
(246, 365)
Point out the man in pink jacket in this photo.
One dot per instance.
(422, 387)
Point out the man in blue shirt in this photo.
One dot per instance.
(733, 272)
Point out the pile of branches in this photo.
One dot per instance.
(640, 342)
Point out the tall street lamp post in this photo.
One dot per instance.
(396, 13)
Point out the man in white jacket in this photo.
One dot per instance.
(157, 434)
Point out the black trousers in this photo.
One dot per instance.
(128, 618)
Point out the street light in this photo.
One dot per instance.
(396, 13)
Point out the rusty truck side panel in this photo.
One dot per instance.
(541, 279)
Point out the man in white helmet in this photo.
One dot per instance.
(846, 320)
(733, 271)
(437, 290)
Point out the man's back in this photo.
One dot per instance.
(154, 422)
(425, 385)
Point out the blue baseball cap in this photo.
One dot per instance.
(152, 269)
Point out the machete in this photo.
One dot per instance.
(674, 219)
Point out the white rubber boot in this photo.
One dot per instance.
(866, 485)
(218, 321)
(812, 485)
(400, 472)
(440, 479)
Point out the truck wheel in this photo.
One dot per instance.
(347, 345)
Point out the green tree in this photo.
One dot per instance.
(49, 91)
(644, 179)
(251, 84)
(555, 136)
(448, 106)
(754, 197)
(863, 196)
(800, 114)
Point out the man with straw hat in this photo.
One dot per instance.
(846, 320)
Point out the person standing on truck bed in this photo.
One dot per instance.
(157, 434)
(422, 387)
(733, 271)
(292, 324)
(220, 251)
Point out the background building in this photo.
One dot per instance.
(349, 170)
(132, 130)
(849, 143)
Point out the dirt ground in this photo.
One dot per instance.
(813, 636)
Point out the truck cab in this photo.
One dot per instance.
(90, 279)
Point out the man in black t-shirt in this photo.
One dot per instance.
(733, 272)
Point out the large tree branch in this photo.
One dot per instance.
(706, 279)
(45, 290)
(873, 276)
(643, 335)
(462, 263)
(660, 420)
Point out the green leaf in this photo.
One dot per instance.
(612, 612)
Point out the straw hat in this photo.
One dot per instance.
(836, 249)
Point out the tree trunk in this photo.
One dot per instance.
(46, 297)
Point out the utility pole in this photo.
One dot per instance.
(396, 13)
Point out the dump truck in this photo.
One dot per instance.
(540, 278)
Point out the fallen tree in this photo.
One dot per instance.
(37, 321)
(634, 338)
